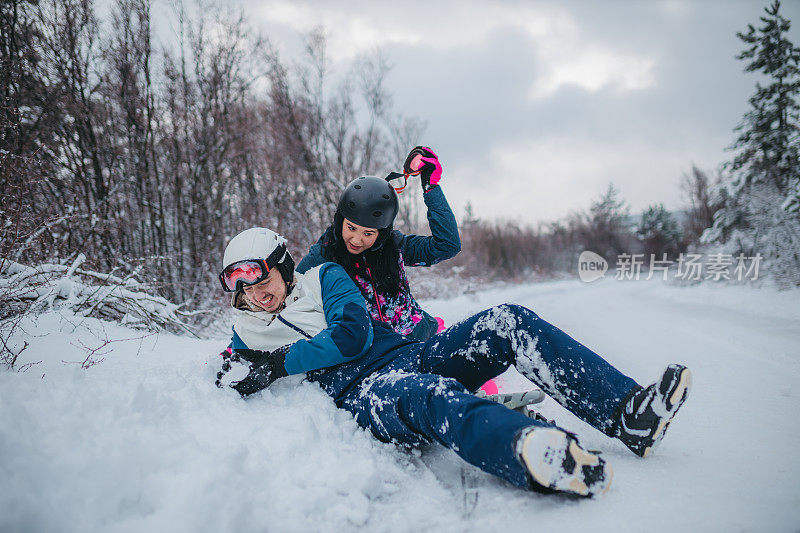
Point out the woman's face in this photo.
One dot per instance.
(357, 238)
(268, 294)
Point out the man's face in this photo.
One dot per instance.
(358, 238)
(268, 294)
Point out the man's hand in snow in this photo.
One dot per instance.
(233, 369)
(266, 367)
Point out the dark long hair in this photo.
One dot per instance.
(383, 258)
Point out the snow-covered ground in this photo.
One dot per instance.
(143, 441)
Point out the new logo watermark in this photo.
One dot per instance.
(688, 267)
(591, 266)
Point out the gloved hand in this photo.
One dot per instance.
(422, 159)
(233, 369)
(266, 367)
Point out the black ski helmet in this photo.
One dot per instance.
(370, 202)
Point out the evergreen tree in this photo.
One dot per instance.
(470, 219)
(768, 147)
(760, 196)
(609, 212)
(659, 231)
(607, 231)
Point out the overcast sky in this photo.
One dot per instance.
(535, 107)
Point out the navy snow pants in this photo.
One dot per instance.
(425, 393)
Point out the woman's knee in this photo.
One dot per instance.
(504, 319)
(519, 310)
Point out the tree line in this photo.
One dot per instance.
(146, 156)
(512, 250)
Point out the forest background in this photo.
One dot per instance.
(132, 162)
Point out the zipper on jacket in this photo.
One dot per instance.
(374, 290)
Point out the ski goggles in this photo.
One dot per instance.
(249, 271)
(394, 177)
(394, 180)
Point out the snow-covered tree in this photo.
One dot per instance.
(760, 195)
(768, 149)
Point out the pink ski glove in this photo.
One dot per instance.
(422, 160)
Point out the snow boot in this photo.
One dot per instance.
(557, 463)
(647, 412)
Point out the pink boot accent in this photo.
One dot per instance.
(490, 387)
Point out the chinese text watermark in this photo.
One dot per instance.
(688, 267)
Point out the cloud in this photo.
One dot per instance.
(594, 68)
(543, 179)
(535, 107)
(567, 56)
(350, 32)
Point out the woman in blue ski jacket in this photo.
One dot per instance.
(374, 255)
(411, 392)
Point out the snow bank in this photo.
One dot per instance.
(144, 441)
(88, 293)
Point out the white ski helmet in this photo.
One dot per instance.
(260, 244)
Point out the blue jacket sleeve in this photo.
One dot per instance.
(349, 332)
(312, 259)
(236, 344)
(443, 243)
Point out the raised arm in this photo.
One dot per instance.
(443, 243)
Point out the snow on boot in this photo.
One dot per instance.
(647, 413)
(556, 461)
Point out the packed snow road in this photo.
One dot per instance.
(144, 441)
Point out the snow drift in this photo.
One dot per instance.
(144, 441)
